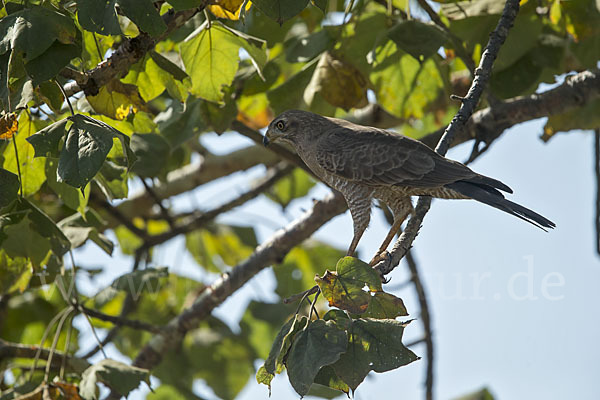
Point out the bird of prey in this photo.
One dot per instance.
(364, 163)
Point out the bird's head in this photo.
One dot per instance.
(291, 126)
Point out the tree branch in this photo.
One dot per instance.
(18, 350)
(597, 172)
(200, 219)
(482, 74)
(489, 123)
(271, 251)
(426, 320)
(129, 52)
(120, 321)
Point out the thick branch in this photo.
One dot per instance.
(482, 74)
(488, 124)
(270, 252)
(129, 52)
(18, 350)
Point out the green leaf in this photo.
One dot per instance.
(78, 231)
(120, 377)
(12, 272)
(345, 288)
(482, 394)
(261, 322)
(46, 227)
(585, 117)
(217, 248)
(149, 78)
(282, 343)
(185, 4)
(135, 283)
(293, 186)
(418, 39)
(46, 141)
(219, 116)
(373, 345)
(264, 377)
(24, 241)
(32, 170)
(87, 145)
(51, 62)
(523, 38)
(320, 343)
(302, 263)
(168, 66)
(320, 4)
(98, 16)
(72, 197)
(9, 187)
(327, 377)
(152, 153)
(33, 30)
(144, 15)
(403, 85)
(211, 59)
(280, 10)
(305, 48)
(112, 179)
(288, 95)
(384, 305)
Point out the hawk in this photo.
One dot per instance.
(365, 163)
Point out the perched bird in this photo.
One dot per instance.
(364, 163)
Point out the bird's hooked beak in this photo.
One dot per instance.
(270, 136)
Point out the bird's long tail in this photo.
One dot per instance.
(486, 192)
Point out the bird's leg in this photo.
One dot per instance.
(381, 253)
(401, 208)
(360, 209)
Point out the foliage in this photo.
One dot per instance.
(99, 95)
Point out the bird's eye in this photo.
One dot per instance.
(280, 125)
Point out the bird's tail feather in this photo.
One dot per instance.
(492, 197)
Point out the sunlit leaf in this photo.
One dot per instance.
(32, 171)
(345, 288)
(8, 126)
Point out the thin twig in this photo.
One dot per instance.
(597, 171)
(120, 321)
(482, 74)
(163, 211)
(200, 220)
(55, 342)
(44, 337)
(426, 320)
(301, 295)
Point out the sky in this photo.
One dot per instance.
(512, 306)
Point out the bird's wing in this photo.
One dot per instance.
(376, 157)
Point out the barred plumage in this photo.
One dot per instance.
(364, 163)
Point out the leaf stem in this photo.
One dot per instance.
(14, 140)
(62, 90)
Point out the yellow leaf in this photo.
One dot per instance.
(229, 9)
(254, 111)
(339, 82)
(8, 126)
